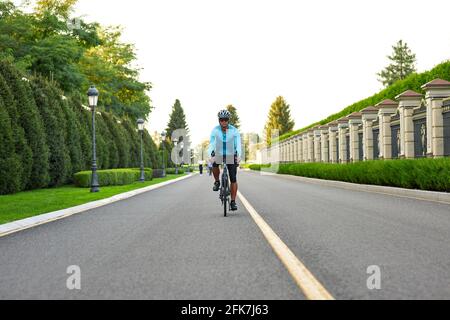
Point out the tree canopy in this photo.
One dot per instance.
(75, 54)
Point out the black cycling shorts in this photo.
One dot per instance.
(232, 171)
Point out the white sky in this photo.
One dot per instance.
(320, 55)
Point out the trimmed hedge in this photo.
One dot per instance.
(113, 177)
(257, 167)
(172, 171)
(424, 174)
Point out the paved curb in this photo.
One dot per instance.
(443, 197)
(27, 223)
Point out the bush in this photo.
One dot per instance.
(257, 167)
(113, 177)
(158, 173)
(424, 174)
(172, 171)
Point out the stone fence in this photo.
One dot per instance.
(413, 126)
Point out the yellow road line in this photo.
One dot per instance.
(306, 281)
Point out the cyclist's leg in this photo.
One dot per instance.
(216, 171)
(232, 171)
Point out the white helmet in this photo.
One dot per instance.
(224, 114)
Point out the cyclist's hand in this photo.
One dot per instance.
(212, 160)
(237, 159)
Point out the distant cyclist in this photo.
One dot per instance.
(223, 136)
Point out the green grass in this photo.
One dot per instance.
(31, 203)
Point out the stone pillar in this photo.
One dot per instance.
(293, 149)
(300, 149)
(293, 146)
(386, 109)
(288, 150)
(332, 135)
(435, 92)
(342, 131)
(317, 146)
(311, 146)
(305, 147)
(282, 151)
(324, 152)
(353, 123)
(369, 115)
(408, 100)
(285, 151)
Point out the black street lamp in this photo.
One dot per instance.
(163, 140)
(140, 124)
(93, 99)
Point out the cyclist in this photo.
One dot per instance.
(224, 133)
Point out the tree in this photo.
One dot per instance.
(73, 137)
(21, 147)
(118, 138)
(234, 119)
(109, 66)
(177, 120)
(402, 64)
(279, 119)
(35, 170)
(9, 160)
(54, 124)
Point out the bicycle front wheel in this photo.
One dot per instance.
(225, 206)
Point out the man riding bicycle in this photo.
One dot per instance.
(225, 140)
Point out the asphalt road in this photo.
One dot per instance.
(174, 243)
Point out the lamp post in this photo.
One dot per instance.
(175, 141)
(140, 123)
(163, 139)
(93, 99)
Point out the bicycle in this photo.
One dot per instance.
(225, 190)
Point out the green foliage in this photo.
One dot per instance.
(35, 168)
(424, 174)
(72, 137)
(113, 177)
(177, 120)
(47, 101)
(279, 119)
(412, 82)
(9, 160)
(133, 141)
(84, 119)
(172, 171)
(258, 167)
(21, 147)
(234, 119)
(75, 56)
(401, 66)
(121, 148)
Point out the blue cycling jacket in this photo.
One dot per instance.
(231, 137)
